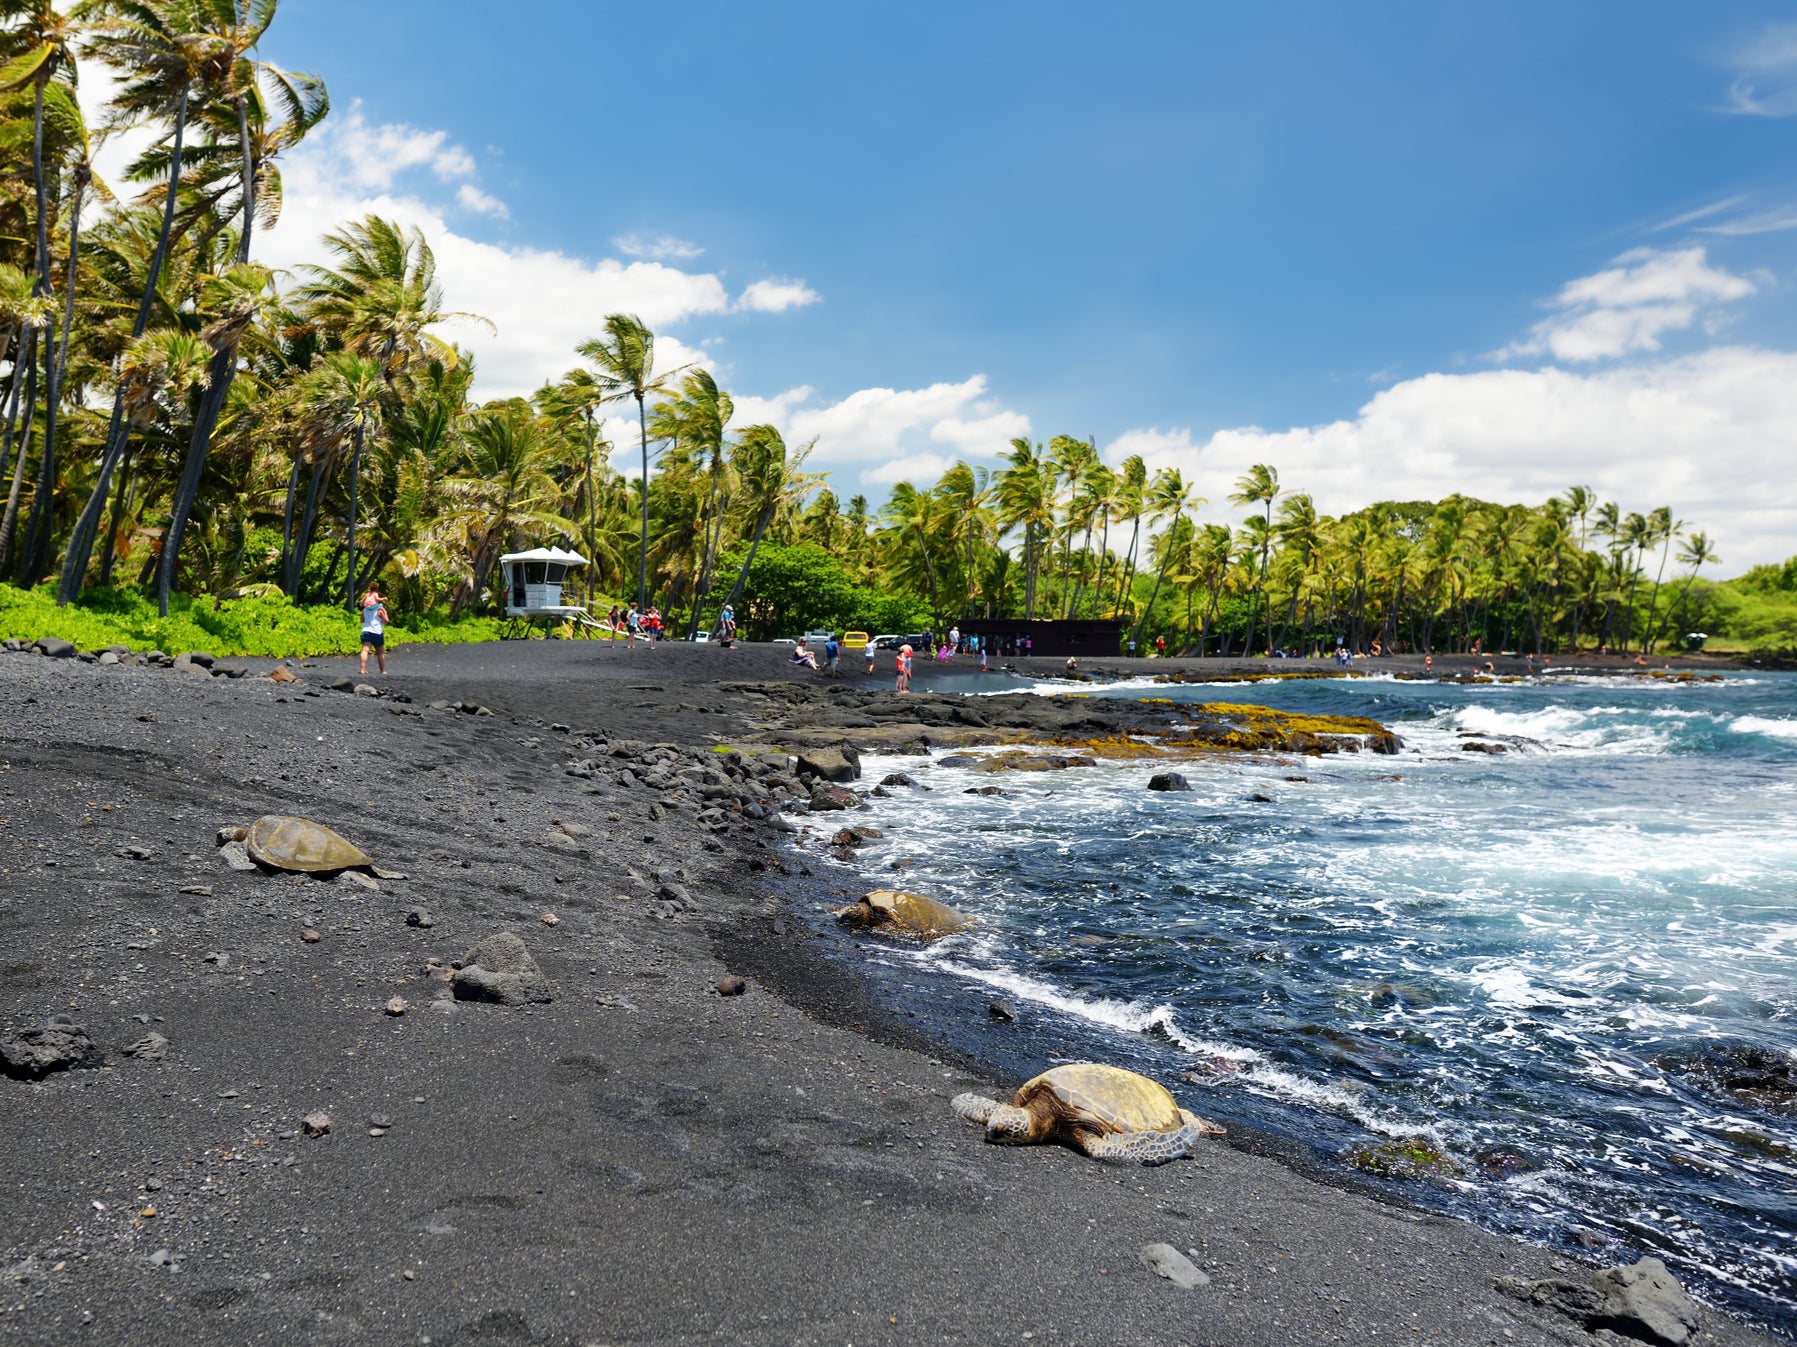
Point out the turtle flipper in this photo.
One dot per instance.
(1148, 1148)
(973, 1107)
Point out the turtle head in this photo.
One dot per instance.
(1009, 1125)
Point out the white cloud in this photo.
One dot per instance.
(660, 249)
(1708, 434)
(1626, 307)
(984, 436)
(470, 197)
(889, 433)
(542, 303)
(919, 469)
(772, 296)
(774, 411)
(1767, 83)
(373, 156)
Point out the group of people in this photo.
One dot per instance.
(633, 622)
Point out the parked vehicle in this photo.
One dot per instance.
(854, 640)
(889, 642)
(817, 638)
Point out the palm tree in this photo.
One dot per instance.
(239, 83)
(160, 47)
(1695, 551)
(770, 479)
(1259, 485)
(1025, 490)
(1664, 529)
(1132, 498)
(625, 357)
(697, 415)
(381, 298)
(46, 37)
(964, 491)
(914, 524)
(506, 484)
(1168, 498)
(346, 389)
(578, 397)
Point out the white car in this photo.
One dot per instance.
(701, 638)
(783, 640)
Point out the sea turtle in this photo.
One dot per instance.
(902, 913)
(1105, 1111)
(286, 843)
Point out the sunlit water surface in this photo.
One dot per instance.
(1518, 956)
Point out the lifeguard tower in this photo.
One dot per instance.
(533, 593)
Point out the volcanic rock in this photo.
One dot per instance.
(1168, 781)
(61, 1045)
(500, 969)
(1642, 1301)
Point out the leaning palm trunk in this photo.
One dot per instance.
(355, 473)
(714, 531)
(223, 370)
(1166, 556)
(36, 534)
(37, 530)
(21, 357)
(10, 520)
(642, 562)
(87, 527)
(742, 577)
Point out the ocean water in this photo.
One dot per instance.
(1545, 962)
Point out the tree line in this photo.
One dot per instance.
(176, 417)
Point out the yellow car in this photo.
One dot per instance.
(854, 640)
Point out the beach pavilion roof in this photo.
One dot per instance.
(546, 554)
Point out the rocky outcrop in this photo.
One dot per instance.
(61, 1045)
(500, 970)
(839, 763)
(1642, 1301)
(1168, 781)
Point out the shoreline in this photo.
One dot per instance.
(640, 1158)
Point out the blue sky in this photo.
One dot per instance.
(1335, 238)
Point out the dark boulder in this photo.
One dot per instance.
(61, 1045)
(841, 763)
(55, 647)
(500, 969)
(1168, 781)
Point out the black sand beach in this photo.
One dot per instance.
(639, 1160)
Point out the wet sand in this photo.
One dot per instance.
(641, 1159)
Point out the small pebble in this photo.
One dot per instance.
(310, 936)
(398, 1005)
(550, 919)
(732, 986)
(316, 1124)
(409, 1275)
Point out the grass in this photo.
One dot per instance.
(252, 626)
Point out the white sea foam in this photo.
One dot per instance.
(1774, 726)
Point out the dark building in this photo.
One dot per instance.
(1078, 637)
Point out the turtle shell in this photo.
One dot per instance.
(288, 843)
(912, 913)
(1103, 1098)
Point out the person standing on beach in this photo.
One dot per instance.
(374, 628)
(613, 620)
(902, 684)
(633, 620)
(869, 652)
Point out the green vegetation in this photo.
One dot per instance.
(173, 424)
(262, 625)
(1410, 1158)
